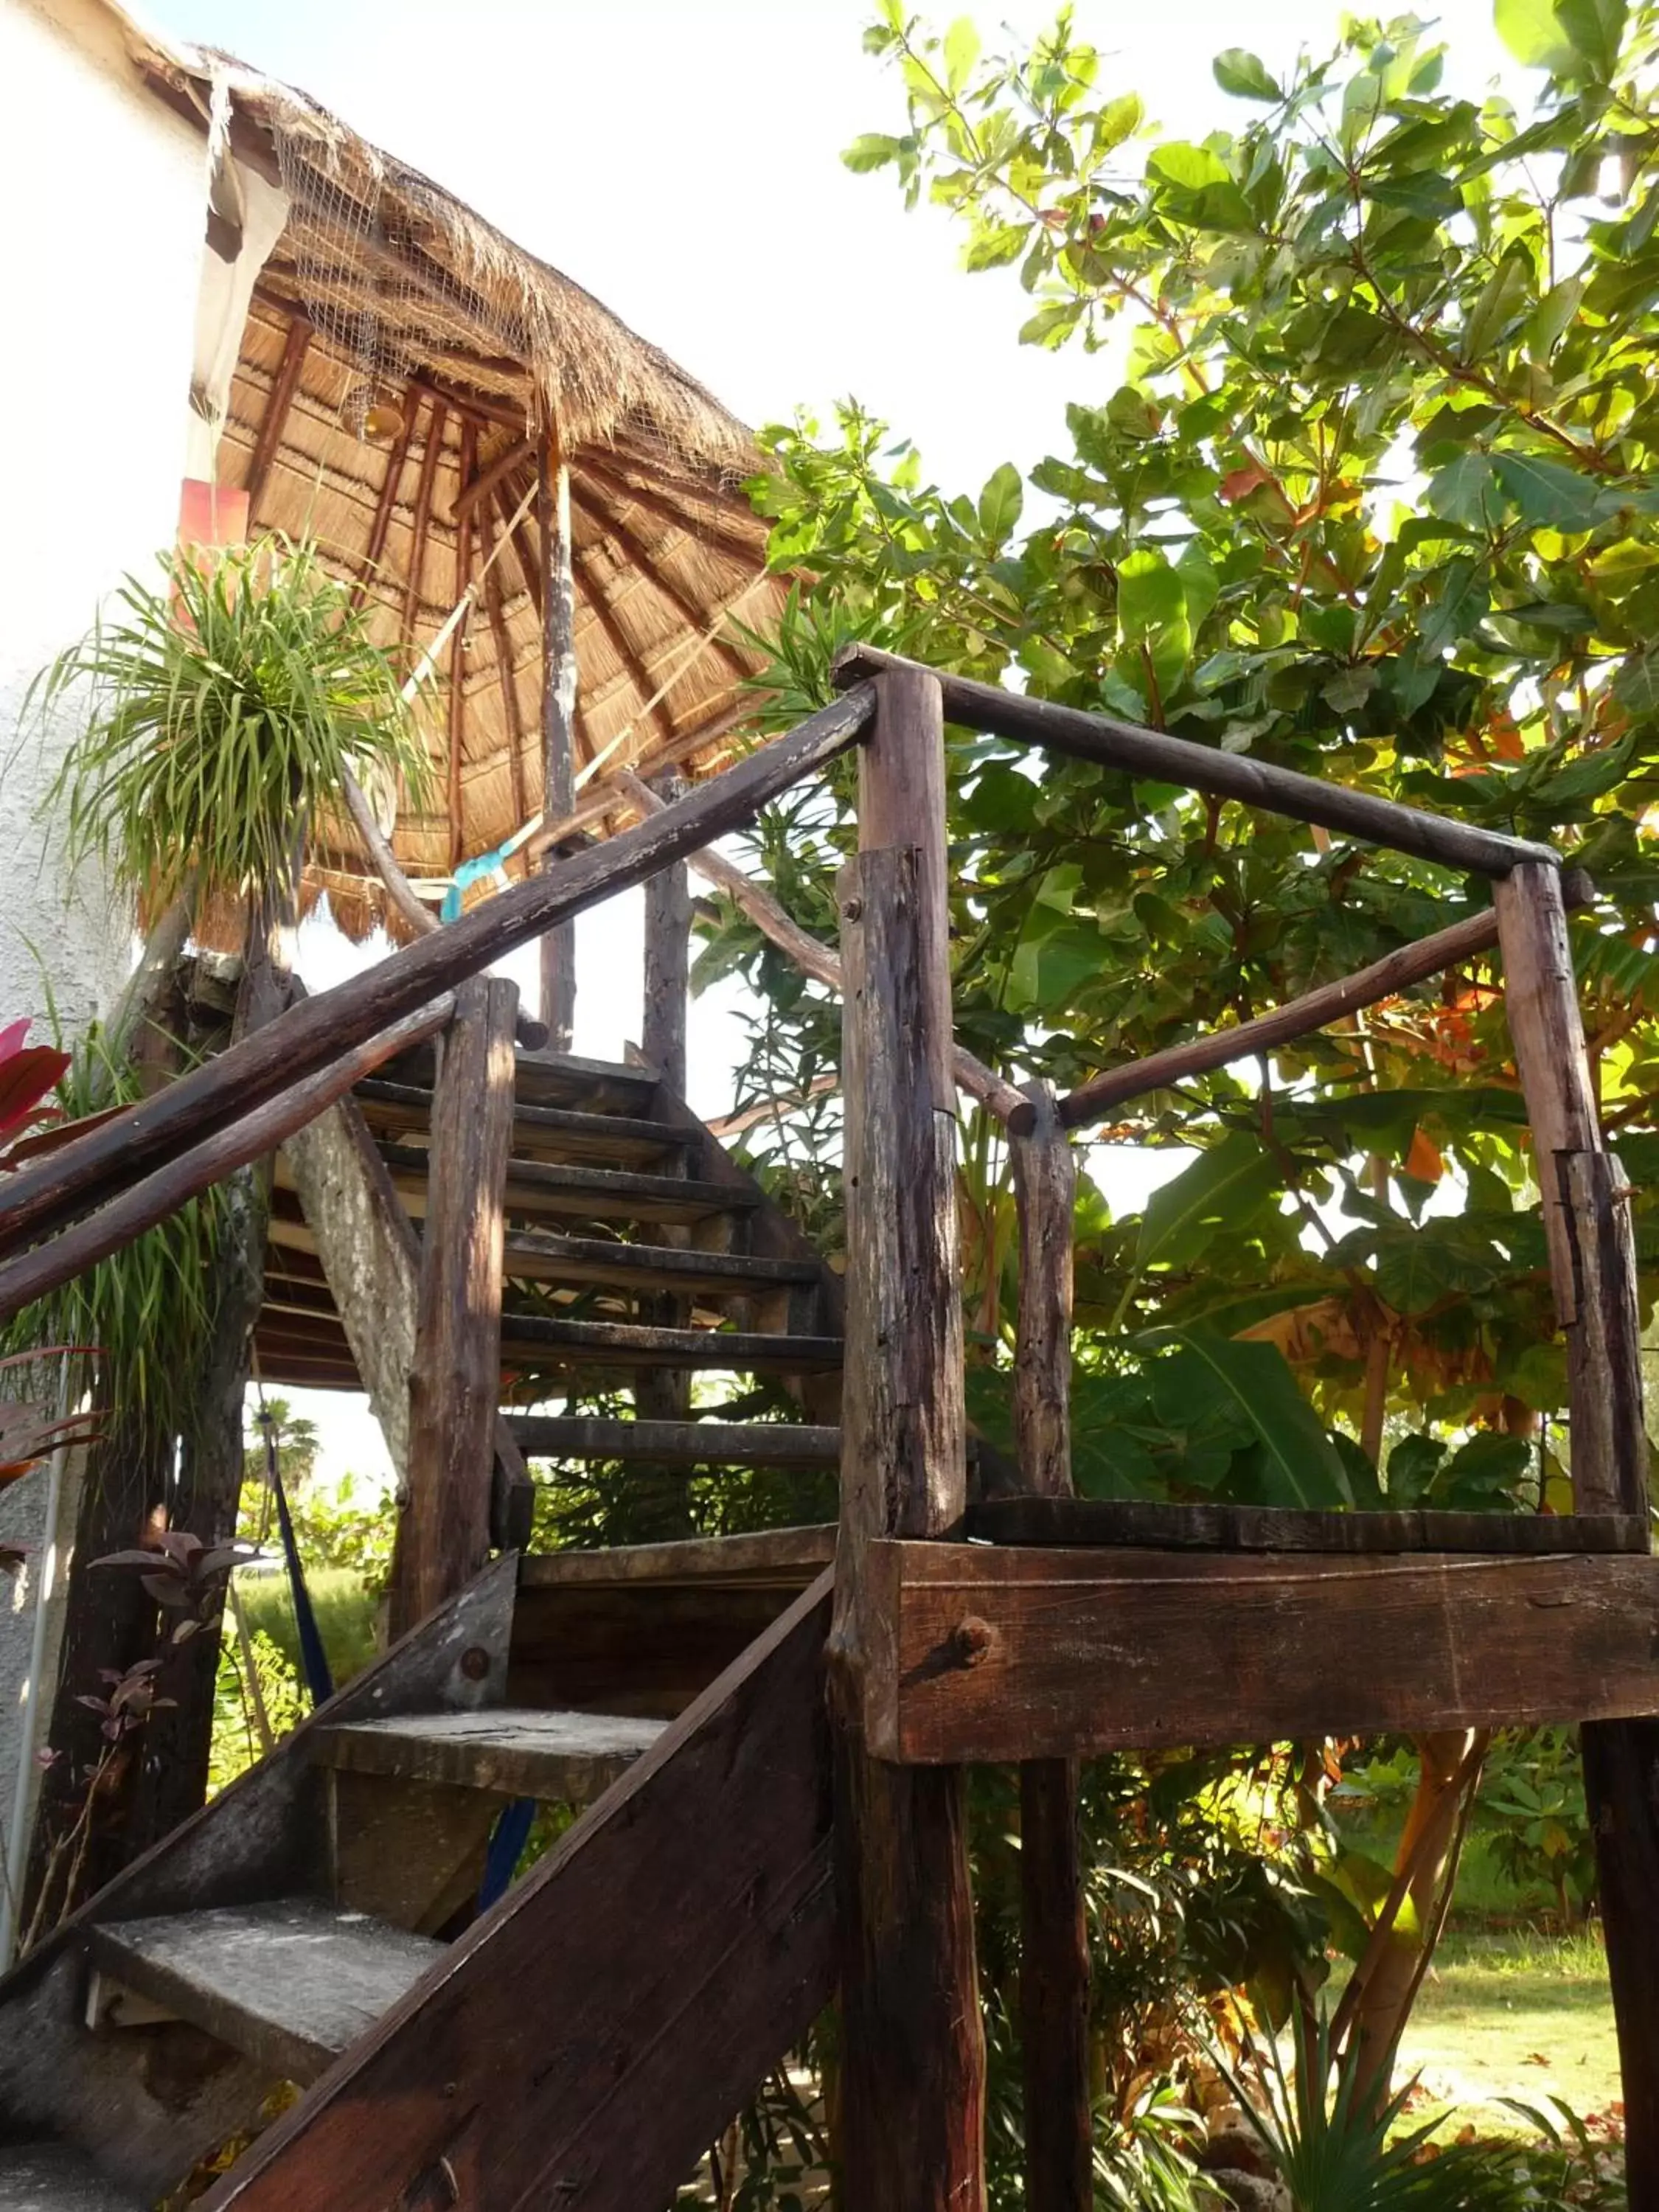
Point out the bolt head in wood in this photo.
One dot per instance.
(475, 1662)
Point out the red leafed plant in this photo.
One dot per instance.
(28, 1073)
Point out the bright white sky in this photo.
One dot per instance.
(681, 158)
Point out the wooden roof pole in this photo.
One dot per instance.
(559, 678)
(390, 486)
(495, 607)
(275, 415)
(627, 651)
(680, 599)
(458, 652)
(422, 518)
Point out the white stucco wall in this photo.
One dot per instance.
(105, 192)
(105, 196)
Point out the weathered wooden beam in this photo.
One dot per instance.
(1145, 1524)
(1621, 1785)
(1593, 1268)
(667, 963)
(312, 1034)
(286, 383)
(520, 452)
(1004, 1655)
(658, 499)
(1204, 768)
(1315, 1010)
(136, 1204)
(454, 1380)
(913, 2044)
(560, 679)
(1053, 1973)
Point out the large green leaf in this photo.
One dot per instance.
(1221, 1190)
(1298, 1464)
(1245, 76)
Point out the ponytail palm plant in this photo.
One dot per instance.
(221, 710)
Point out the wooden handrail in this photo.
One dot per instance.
(142, 1204)
(1203, 768)
(1315, 1010)
(312, 1034)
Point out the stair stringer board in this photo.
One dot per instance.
(147, 2103)
(585, 2043)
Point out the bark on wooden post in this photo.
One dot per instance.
(1054, 1980)
(1592, 1264)
(1592, 1267)
(455, 1385)
(913, 2087)
(558, 588)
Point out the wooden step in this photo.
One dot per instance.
(540, 1186)
(786, 1555)
(291, 1983)
(569, 1758)
(677, 1444)
(55, 2177)
(539, 1342)
(557, 1132)
(539, 1255)
(551, 1078)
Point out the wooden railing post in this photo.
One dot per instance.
(454, 1382)
(559, 679)
(1593, 1270)
(914, 2079)
(1053, 1979)
(663, 1393)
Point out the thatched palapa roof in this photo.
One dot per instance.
(402, 370)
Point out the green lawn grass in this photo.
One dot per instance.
(1515, 2014)
(345, 1616)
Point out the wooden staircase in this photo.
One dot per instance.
(633, 1242)
(316, 1924)
(580, 2043)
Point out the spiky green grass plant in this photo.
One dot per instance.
(219, 712)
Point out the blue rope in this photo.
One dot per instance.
(507, 1841)
(314, 1659)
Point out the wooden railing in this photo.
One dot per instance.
(913, 2059)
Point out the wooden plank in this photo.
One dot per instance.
(539, 1256)
(532, 1340)
(587, 2039)
(1315, 1010)
(688, 1444)
(291, 1984)
(315, 1032)
(556, 1132)
(1205, 767)
(797, 1554)
(137, 1203)
(592, 1194)
(913, 2089)
(566, 1757)
(644, 1647)
(1054, 1969)
(1005, 1654)
(454, 1379)
(557, 597)
(55, 2178)
(1148, 1525)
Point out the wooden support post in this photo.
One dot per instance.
(458, 650)
(663, 1393)
(558, 604)
(1053, 1979)
(1593, 1267)
(286, 383)
(914, 2081)
(455, 1381)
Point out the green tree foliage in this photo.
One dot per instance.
(1365, 485)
